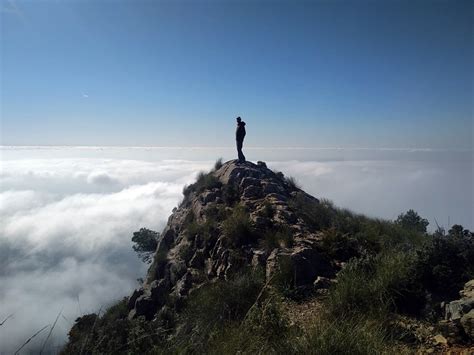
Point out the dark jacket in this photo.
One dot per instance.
(240, 131)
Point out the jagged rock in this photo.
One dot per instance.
(468, 291)
(304, 264)
(322, 282)
(456, 309)
(258, 258)
(158, 289)
(252, 192)
(271, 187)
(277, 197)
(208, 196)
(440, 340)
(197, 260)
(133, 298)
(249, 181)
(177, 270)
(467, 323)
(309, 263)
(184, 284)
(183, 262)
(459, 316)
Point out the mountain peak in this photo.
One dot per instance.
(238, 215)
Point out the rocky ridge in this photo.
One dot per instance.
(189, 255)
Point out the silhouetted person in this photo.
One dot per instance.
(239, 137)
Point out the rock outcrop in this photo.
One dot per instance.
(196, 245)
(459, 314)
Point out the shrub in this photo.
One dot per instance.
(374, 285)
(218, 164)
(445, 264)
(238, 228)
(230, 195)
(216, 212)
(411, 220)
(146, 242)
(203, 182)
(292, 183)
(205, 230)
(318, 215)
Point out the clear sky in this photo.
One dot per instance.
(176, 73)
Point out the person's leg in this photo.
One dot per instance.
(239, 151)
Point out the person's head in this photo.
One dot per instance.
(238, 119)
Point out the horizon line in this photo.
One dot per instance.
(425, 149)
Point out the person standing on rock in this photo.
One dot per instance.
(239, 137)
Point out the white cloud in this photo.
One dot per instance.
(69, 235)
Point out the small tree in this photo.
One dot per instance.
(458, 231)
(411, 220)
(145, 245)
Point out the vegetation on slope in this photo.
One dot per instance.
(391, 269)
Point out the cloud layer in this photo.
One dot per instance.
(66, 222)
(65, 235)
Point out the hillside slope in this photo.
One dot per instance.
(248, 262)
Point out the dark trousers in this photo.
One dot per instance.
(239, 150)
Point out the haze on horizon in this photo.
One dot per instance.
(176, 73)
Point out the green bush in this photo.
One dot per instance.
(205, 230)
(411, 220)
(318, 215)
(445, 264)
(216, 212)
(292, 183)
(238, 228)
(218, 164)
(203, 182)
(230, 195)
(373, 285)
(145, 243)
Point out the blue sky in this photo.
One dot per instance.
(300, 73)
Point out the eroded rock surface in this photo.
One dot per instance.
(194, 248)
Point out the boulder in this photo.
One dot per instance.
(467, 323)
(249, 181)
(302, 264)
(440, 340)
(252, 192)
(454, 310)
(208, 196)
(468, 291)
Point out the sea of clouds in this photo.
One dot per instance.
(67, 214)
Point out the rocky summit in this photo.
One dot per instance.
(195, 247)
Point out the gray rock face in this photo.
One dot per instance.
(467, 323)
(184, 261)
(456, 309)
(459, 314)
